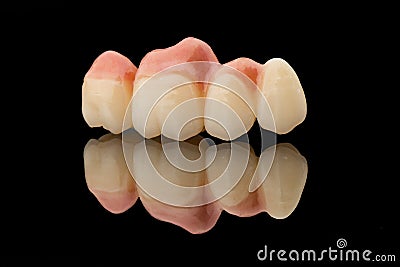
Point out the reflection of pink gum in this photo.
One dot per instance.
(117, 202)
(196, 220)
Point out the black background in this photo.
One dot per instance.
(346, 138)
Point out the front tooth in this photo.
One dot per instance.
(107, 90)
(284, 94)
(160, 119)
(284, 184)
(107, 175)
(236, 117)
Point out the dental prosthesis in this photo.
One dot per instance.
(113, 85)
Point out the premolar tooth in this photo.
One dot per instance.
(107, 175)
(284, 94)
(107, 90)
(283, 186)
(240, 77)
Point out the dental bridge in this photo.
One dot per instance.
(182, 90)
(156, 151)
(121, 168)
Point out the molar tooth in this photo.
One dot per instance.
(284, 94)
(154, 74)
(147, 96)
(107, 175)
(107, 90)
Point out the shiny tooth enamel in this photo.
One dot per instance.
(164, 69)
(105, 103)
(235, 118)
(151, 109)
(107, 90)
(282, 89)
(272, 93)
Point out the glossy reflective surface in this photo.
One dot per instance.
(112, 182)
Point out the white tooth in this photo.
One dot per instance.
(107, 175)
(144, 118)
(162, 180)
(104, 103)
(236, 200)
(285, 181)
(284, 94)
(229, 123)
(148, 91)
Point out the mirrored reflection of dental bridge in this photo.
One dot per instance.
(110, 179)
